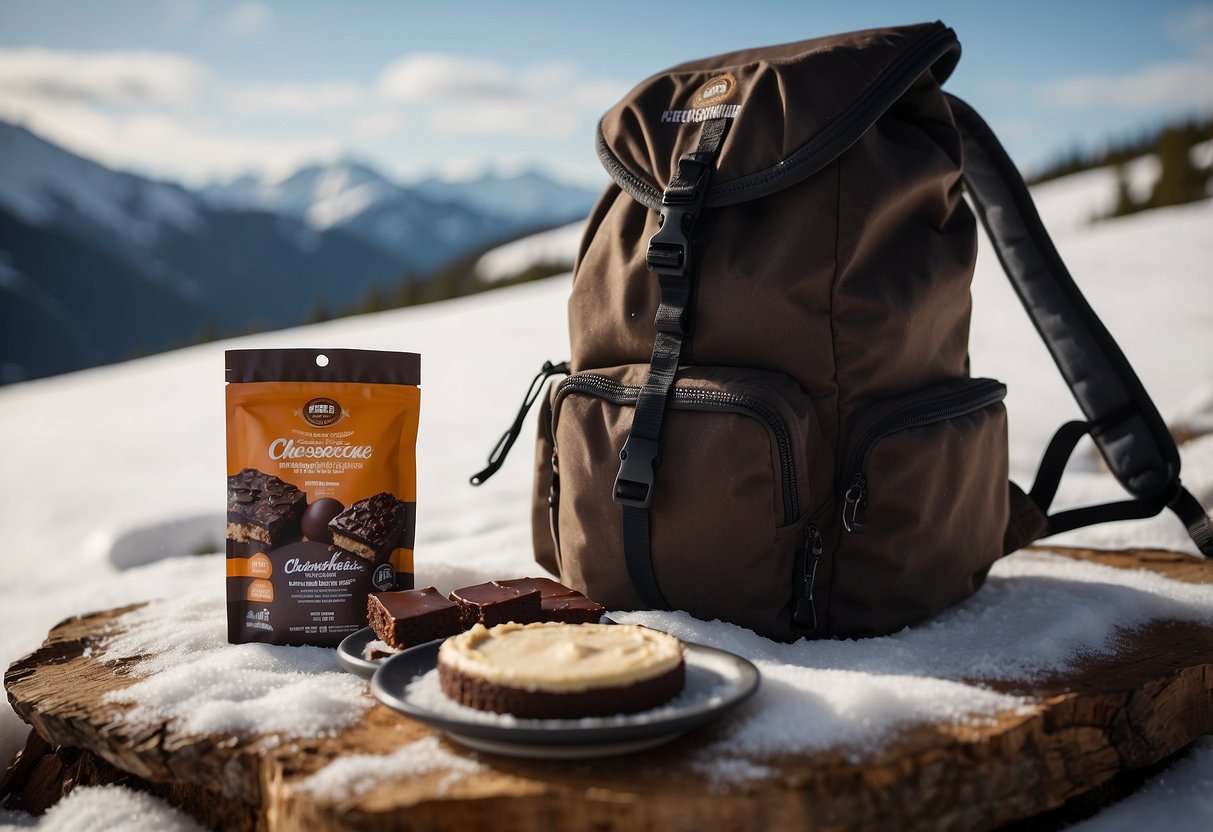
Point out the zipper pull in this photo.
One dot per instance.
(805, 614)
(497, 457)
(855, 498)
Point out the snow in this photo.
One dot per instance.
(121, 481)
(1181, 798)
(1069, 203)
(359, 773)
(555, 248)
(103, 809)
(207, 686)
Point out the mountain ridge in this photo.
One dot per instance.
(163, 266)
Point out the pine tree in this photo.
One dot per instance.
(1124, 200)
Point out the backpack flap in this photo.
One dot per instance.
(790, 121)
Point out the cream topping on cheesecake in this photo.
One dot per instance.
(561, 658)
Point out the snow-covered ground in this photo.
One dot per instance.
(556, 248)
(115, 479)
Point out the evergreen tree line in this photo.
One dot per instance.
(1180, 178)
(454, 280)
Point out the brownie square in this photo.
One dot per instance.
(263, 508)
(371, 528)
(491, 604)
(558, 602)
(412, 616)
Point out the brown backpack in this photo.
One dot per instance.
(769, 418)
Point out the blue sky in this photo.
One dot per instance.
(191, 90)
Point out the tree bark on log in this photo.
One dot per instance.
(1116, 714)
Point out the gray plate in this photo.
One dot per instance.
(716, 682)
(351, 650)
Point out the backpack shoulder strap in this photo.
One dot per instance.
(1120, 417)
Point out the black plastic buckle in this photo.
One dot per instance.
(670, 248)
(638, 463)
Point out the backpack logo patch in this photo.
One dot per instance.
(716, 91)
(708, 102)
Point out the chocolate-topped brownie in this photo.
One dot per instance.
(494, 603)
(263, 508)
(371, 528)
(411, 616)
(558, 602)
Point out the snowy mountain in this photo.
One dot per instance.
(529, 196)
(42, 185)
(97, 265)
(426, 224)
(321, 195)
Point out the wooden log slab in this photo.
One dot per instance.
(1115, 714)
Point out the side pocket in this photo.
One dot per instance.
(545, 501)
(924, 506)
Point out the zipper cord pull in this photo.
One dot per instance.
(806, 608)
(507, 440)
(855, 498)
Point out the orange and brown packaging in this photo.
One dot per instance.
(321, 489)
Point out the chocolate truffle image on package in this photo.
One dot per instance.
(371, 528)
(263, 508)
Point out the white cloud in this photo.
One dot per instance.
(1176, 85)
(434, 76)
(475, 96)
(380, 123)
(189, 150)
(298, 98)
(248, 20)
(121, 77)
(170, 115)
(1184, 84)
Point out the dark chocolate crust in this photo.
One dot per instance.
(371, 527)
(494, 603)
(629, 699)
(411, 616)
(264, 507)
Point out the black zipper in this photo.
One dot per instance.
(623, 394)
(979, 394)
(805, 613)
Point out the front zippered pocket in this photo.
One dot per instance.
(742, 469)
(923, 505)
(700, 399)
(935, 404)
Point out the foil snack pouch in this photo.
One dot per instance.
(321, 489)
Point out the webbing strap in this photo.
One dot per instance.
(670, 257)
(1121, 418)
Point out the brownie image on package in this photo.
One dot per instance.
(411, 616)
(263, 508)
(371, 528)
(493, 603)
